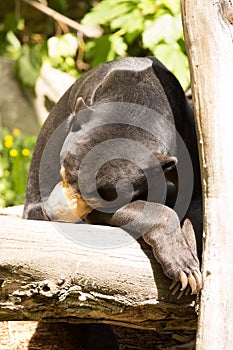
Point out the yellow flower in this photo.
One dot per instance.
(8, 141)
(25, 152)
(13, 152)
(8, 137)
(16, 132)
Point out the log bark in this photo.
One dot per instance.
(209, 43)
(47, 277)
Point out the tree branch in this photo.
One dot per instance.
(91, 32)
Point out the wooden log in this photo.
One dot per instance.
(208, 35)
(46, 276)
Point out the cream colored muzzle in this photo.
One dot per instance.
(64, 205)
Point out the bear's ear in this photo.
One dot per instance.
(79, 115)
(79, 105)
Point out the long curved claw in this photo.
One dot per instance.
(184, 280)
(193, 284)
(190, 284)
(184, 284)
(198, 277)
(175, 285)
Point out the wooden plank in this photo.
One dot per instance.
(208, 35)
(46, 276)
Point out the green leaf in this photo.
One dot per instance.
(12, 46)
(106, 48)
(172, 5)
(27, 66)
(152, 7)
(98, 49)
(66, 45)
(13, 41)
(107, 10)
(132, 36)
(148, 7)
(166, 28)
(118, 47)
(130, 22)
(175, 60)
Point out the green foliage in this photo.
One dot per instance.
(131, 28)
(15, 156)
(105, 48)
(147, 27)
(28, 64)
(62, 51)
(10, 45)
(29, 57)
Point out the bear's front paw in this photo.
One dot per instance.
(176, 252)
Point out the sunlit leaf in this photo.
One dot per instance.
(118, 47)
(166, 28)
(10, 45)
(130, 22)
(173, 5)
(175, 60)
(65, 45)
(107, 10)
